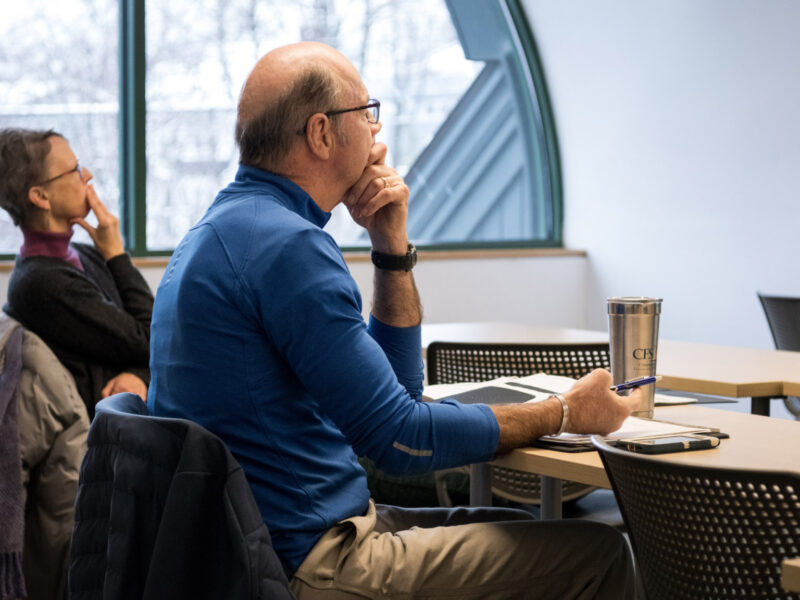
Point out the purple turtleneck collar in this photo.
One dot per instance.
(49, 243)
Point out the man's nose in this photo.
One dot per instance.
(376, 127)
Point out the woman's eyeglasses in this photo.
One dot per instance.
(76, 169)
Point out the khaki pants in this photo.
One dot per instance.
(465, 553)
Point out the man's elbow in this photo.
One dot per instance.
(400, 459)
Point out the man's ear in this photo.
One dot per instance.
(319, 136)
(38, 197)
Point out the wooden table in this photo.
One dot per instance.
(756, 442)
(790, 574)
(684, 366)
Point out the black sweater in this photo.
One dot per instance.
(96, 321)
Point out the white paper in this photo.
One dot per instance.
(633, 427)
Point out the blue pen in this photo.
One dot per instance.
(634, 383)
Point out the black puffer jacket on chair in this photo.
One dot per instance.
(164, 511)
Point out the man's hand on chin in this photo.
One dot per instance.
(378, 202)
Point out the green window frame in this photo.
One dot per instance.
(132, 137)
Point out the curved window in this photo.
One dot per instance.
(490, 175)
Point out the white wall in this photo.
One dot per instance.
(540, 291)
(678, 123)
(536, 290)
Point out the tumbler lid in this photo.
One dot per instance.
(634, 305)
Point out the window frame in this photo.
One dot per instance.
(132, 140)
(528, 49)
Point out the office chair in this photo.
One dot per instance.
(451, 362)
(164, 511)
(701, 533)
(783, 318)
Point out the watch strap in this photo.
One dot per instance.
(395, 262)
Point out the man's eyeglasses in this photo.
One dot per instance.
(373, 105)
(76, 169)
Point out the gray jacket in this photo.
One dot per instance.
(52, 436)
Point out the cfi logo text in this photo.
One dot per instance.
(643, 353)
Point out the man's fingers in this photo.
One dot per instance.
(374, 204)
(370, 183)
(378, 192)
(107, 389)
(377, 154)
(634, 399)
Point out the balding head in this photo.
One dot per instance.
(283, 90)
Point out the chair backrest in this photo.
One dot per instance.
(164, 511)
(783, 317)
(452, 362)
(700, 533)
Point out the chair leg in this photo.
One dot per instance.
(442, 495)
(792, 404)
(759, 405)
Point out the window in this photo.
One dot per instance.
(58, 73)
(463, 107)
(194, 75)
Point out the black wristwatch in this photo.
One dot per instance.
(396, 262)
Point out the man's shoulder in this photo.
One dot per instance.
(255, 232)
(263, 208)
(263, 218)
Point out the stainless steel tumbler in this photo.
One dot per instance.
(633, 341)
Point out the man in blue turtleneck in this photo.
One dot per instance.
(257, 334)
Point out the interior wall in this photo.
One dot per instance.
(548, 291)
(678, 127)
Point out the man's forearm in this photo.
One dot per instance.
(395, 299)
(521, 424)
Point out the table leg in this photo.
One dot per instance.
(760, 405)
(480, 484)
(551, 498)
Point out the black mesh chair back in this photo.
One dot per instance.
(452, 362)
(702, 533)
(783, 316)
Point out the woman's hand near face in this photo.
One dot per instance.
(106, 236)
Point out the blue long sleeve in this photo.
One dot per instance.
(257, 334)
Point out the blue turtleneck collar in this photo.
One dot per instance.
(287, 192)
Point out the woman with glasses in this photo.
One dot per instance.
(88, 303)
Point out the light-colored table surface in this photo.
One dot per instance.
(790, 575)
(684, 366)
(756, 442)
